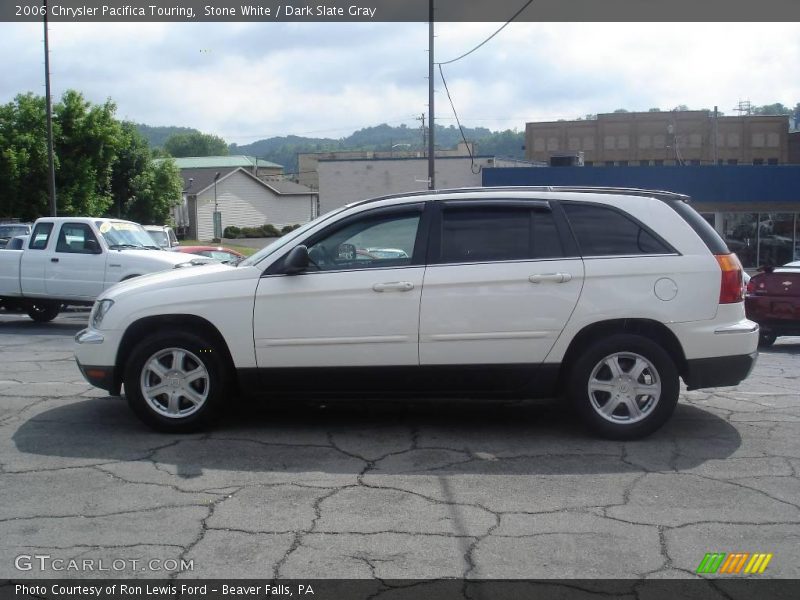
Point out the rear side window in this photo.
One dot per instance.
(603, 231)
(701, 227)
(40, 236)
(497, 233)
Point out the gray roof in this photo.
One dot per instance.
(289, 187)
(204, 179)
(223, 162)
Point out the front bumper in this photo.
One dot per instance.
(92, 349)
(101, 377)
(719, 371)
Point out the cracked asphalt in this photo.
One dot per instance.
(390, 491)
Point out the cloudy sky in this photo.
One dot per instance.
(247, 81)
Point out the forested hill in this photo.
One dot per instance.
(284, 149)
(156, 136)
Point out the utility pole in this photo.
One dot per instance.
(431, 121)
(51, 164)
(424, 133)
(716, 136)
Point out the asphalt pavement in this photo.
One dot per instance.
(386, 490)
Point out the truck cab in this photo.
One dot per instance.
(71, 260)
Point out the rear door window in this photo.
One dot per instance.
(497, 232)
(40, 236)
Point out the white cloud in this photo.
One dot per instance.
(247, 81)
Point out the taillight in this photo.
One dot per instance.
(751, 287)
(731, 288)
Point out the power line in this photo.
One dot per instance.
(516, 14)
(460, 128)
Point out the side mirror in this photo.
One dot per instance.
(92, 246)
(296, 261)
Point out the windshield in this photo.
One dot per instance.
(122, 234)
(159, 237)
(282, 241)
(8, 231)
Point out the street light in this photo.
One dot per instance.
(217, 214)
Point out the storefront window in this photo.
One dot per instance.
(776, 238)
(740, 231)
(762, 239)
(797, 236)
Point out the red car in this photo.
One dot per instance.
(219, 253)
(773, 301)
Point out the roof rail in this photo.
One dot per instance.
(658, 194)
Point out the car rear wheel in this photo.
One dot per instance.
(175, 381)
(624, 386)
(766, 338)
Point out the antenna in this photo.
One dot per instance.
(744, 107)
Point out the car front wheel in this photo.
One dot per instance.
(624, 386)
(175, 381)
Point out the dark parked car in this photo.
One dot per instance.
(773, 301)
(9, 230)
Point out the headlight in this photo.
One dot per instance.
(99, 311)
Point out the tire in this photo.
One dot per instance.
(44, 312)
(766, 339)
(185, 404)
(608, 403)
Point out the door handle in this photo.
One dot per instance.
(53, 260)
(550, 277)
(393, 286)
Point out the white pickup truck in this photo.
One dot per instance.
(71, 260)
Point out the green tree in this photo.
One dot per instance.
(772, 109)
(195, 144)
(23, 158)
(133, 158)
(102, 166)
(156, 190)
(86, 146)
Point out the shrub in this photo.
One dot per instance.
(252, 232)
(232, 232)
(270, 230)
(289, 228)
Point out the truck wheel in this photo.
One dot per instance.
(624, 386)
(44, 311)
(175, 381)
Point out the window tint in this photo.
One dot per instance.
(489, 233)
(76, 238)
(602, 231)
(371, 242)
(40, 236)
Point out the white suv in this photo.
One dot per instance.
(605, 296)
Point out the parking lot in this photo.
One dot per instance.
(361, 490)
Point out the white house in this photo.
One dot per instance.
(243, 200)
